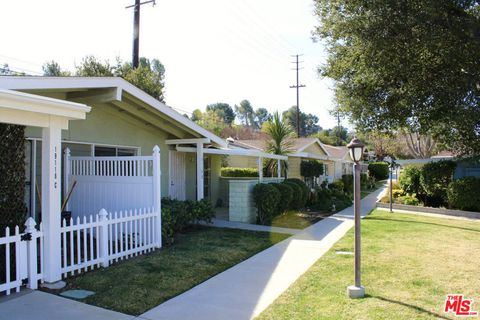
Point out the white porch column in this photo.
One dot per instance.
(51, 164)
(260, 169)
(279, 168)
(157, 198)
(199, 171)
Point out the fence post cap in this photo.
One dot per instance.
(30, 223)
(103, 213)
(156, 149)
(67, 151)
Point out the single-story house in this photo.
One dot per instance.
(122, 149)
(333, 158)
(342, 162)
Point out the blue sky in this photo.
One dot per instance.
(213, 50)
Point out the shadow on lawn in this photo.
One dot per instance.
(423, 222)
(411, 306)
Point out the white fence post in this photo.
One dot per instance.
(66, 175)
(157, 201)
(103, 241)
(32, 254)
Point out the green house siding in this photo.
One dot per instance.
(105, 125)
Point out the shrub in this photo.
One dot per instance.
(410, 179)
(305, 191)
(347, 180)
(239, 172)
(266, 198)
(408, 199)
(396, 193)
(12, 177)
(286, 194)
(378, 170)
(434, 180)
(296, 201)
(337, 185)
(323, 200)
(311, 168)
(176, 215)
(463, 194)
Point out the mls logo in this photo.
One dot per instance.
(458, 305)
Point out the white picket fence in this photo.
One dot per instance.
(108, 237)
(113, 183)
(23, 255)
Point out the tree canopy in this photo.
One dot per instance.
(224, 111)
(149, 76)
(413, 65)
(308, 122)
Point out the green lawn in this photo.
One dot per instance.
(410, 263)
(138, 284)
(298, 220)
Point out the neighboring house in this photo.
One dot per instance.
(343, 164)
(125, 121)
(334, 158)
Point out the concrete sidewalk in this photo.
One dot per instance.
(245, 290)
(38, 305)
(247, 226)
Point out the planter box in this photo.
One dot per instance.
(448, 212)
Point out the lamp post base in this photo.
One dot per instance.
(354, 292)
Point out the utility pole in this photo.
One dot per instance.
(136, 29)
(298, 86)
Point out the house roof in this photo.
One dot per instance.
(299, 144)
(117, 92)
(338, 152)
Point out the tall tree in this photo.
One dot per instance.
(406, 64)
(53, 69)
(280, 140)
(308, 122)
(224, 111)
(245, 113)
(261, 116)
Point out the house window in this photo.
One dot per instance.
(105, 151)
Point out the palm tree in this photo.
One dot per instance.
(280, 141)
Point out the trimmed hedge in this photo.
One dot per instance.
(239, 172)
(378, 170)
(410, 179)
(12, 177)
(463, 194)
(304, 188)
(266, 198)
(434, 180)
(286, 195)
(311, 168)
(297, 196)
(176, 215)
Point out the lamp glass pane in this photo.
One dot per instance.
(357, 153)
(350, 151)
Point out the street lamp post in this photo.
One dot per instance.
(356, 152)
(392, 165)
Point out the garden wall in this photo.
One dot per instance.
(240, 197)
(448, 212)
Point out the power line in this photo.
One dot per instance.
(298, 86)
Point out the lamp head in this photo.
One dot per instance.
(356, 149)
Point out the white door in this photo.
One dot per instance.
(177, 175)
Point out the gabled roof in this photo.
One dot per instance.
(337, 152)
(114, 88)
(299, 144)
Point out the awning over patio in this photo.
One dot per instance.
(52, 115)
(200, 150)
